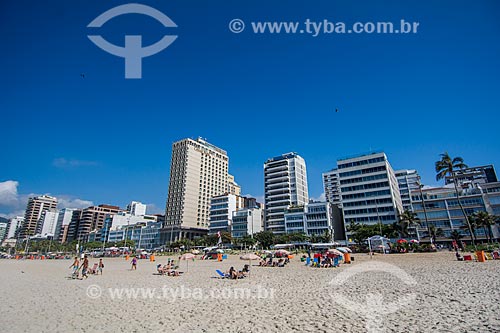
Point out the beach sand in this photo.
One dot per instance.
(406, 293)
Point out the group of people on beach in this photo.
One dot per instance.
(270, 263)
(234, 274)
(84, 267)
(170, 269)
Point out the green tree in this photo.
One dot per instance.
(435, 232)
(447, 166)
(456, 235)
(265, 238)
(246, 241)
(483, 220)
(407, 219)
(129, 243)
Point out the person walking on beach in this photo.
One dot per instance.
(76, 267)
(101, 266)
(134, 263)
(85, 267)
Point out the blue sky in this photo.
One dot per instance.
(104, 139)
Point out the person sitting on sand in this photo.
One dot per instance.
(173, 273)
(245, 270)
(232, 273)
(160, 269)
(281, 263)
(459, 256)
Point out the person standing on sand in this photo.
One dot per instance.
(85, 267)
(134, 263)
(101, 266)
(76, 267)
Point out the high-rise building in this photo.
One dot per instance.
(4, 226)
(136, 208)
(47, 224)
(34, 209)
(63, 221)
(14, 225)
(474, 175)
(314, 218)
(222, 208)
(73, 226)
(479, 190)
(408, 181)
(443, 211)
(331, 186)
(369, 189)
(232, 186)
(247, 221)
(285, 185)
(198, 172)
(92, 218)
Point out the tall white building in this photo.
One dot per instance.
(14, 224)
(48, 223)
(247, 221)
(34, 209)
(314, 218)
(369, 189)
(285, 185)
(136, 208)
(232, 186)
(63, 221)
(331, 186)
(408, 181)
(222, 208)
(198, 172)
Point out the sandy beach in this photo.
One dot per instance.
(406, 293)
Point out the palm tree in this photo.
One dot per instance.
(435, 233)
(484, 220)
(407, 219)
(447, 167)
(456, 235)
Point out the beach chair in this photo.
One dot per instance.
(221, 274)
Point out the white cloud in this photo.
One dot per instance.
(321, 198)
(13, 203)
(259, 198)
(153, 209)
(63, 163)
(70, 202)
(8, 193)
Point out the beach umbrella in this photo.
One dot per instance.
(195, 252)
(414, 241)
(250, 257)
(187, 257)
(335, 251)
(344, 249)
(399, 241)
(282, 252)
